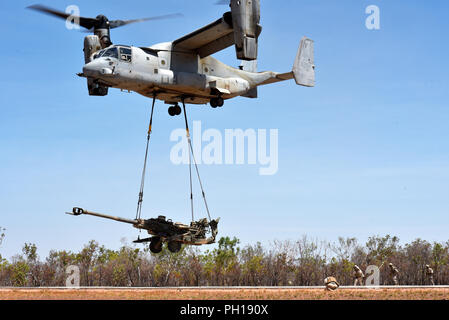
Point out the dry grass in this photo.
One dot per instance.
(224, 294)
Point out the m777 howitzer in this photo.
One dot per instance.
(163, 230)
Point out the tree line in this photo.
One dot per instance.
(305, 262)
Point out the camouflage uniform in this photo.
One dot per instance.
(331, 284)
(394, 273)
(429, 274)
(358, 276)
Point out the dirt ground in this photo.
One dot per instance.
(225, 294)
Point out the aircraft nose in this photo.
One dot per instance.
(97, 69)
(91, 69)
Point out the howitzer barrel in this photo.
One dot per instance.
(79, 211)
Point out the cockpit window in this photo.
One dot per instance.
(99, 54)
(125, 54)
(112, 52)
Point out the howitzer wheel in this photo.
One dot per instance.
(156, 245)
(174, 246)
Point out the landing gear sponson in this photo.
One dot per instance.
(176, 110)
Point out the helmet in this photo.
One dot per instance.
(329, 280)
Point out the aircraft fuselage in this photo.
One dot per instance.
(171, 75)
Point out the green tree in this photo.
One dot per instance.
(2, 237)
(418, 255)
(345, 248)
(87, 260)
(253, 267)
(381, 249)
(167, 266)
(440, 259)
(227, 251)
(30, 252)
(19, 273)
(220, 263)
(105, 256)
(310, 260)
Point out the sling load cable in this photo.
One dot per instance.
(142, 183)
(190, 161)
(192, 155)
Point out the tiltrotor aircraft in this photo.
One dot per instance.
(184, 70)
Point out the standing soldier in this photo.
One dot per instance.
(394, 273)
(429, 274)
(331, 284)
(358, 276)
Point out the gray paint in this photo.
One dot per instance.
(184, 68)
(173, 75)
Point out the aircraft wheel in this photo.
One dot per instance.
(213, 103)
(178, 110)
(220, 102)
(156, 245)
(172, 111)
(174, 246)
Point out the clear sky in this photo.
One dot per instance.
(365, 152)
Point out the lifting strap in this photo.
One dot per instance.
(142, 183)
(192, 156)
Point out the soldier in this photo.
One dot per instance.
(331, 284)
(429, 274)
(394, 273)
(358, 276)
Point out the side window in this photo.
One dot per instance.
(125, 54)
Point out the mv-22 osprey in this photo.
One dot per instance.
(184, 70)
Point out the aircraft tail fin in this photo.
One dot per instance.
(304, 66)
(303, 70)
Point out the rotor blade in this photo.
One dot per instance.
(87, 23)
(119, 23)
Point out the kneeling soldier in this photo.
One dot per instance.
(331, 284)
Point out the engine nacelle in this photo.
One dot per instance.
(247, 28)
(92, 44)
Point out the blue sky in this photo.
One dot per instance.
(364, 152)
